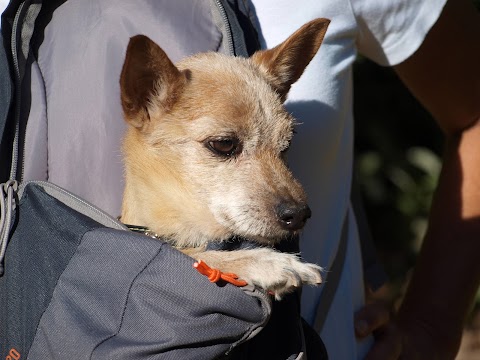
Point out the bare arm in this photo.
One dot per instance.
(444, 74)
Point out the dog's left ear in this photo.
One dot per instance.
(148, 80)
(285, 63)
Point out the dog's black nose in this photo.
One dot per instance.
(292, 216)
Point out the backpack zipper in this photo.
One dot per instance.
(226, 22)
(83, 207)
(13, 169)
(9, 189)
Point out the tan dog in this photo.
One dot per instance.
(204, 154)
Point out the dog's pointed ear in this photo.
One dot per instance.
(285, 63)
(149, 80)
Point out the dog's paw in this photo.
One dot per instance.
(286, 272)
(276, 272)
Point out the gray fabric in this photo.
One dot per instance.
(73, 289)
(75, 203)
(76, 121)
(28, 26)
(5, 102)
(46, 236)
(153, 306)
(36, 149)
(245, 22)
(236, 31)
(226, 46)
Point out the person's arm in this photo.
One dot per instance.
(444, 74)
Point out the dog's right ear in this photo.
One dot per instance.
(149, 80)
(285, 63)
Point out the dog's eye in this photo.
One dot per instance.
(224, 147)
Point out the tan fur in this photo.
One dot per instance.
(188, 193)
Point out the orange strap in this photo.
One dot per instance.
(215, 275)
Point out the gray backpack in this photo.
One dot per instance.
(76, 283)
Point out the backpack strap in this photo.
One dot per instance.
(19, 33)
(19, 22)
(6, 95)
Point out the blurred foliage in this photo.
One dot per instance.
(398, 150)
(397, 163)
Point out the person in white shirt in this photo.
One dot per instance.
(435, 50)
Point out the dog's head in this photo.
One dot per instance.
(205, 149)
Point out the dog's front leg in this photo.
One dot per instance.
(271, 270)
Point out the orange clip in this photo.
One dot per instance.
(215, 275)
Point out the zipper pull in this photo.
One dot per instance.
(7, 205)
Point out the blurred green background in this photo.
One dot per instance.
(398, 158)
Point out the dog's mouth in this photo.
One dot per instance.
(267, 226)
(271, 238)
(240, 243)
